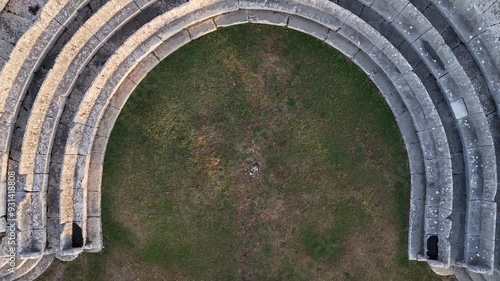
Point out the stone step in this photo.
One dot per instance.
(272, 14)
(34, 272)
(25, 56)
(408, 14)
(71, 208)
(6, 270)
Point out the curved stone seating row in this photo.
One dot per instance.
(18, 70)
(30, 267)
(197, 28)
(103, 31)
(86, 109)
(21, 265)
(60, 140)
(478, 82)
(92, 34)
(37, 270)
(478, 38)
(463, 274)
(120, 96)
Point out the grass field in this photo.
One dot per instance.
(254, 153)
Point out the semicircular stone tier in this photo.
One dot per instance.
(69, 66)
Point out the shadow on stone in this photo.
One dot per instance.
(432, 247)
(77, 236)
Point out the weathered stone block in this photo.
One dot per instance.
(451, 38)
(3, 225)
(418, 187)
(431, 219)
(388, 92)
(456, 85)
(390, 33)
(39, 207)
(66, 205)
(172, 44)
(360, 33)
(372, 18)
(395, 56)
(202, 28)
(80, 176)
(385, 63)
(12, 27)
(24, 212)
(108, 121)
(289, 6)
(416, 159)
(416, 229)
(445, 228)
(341, 44)
(31, 242)
(99, 148)
(184, 19)
(411, 23)
(94, 204)
(144, 49)
(53, 199)
(454, 140)
(484, 95)
(475, 131)
(79, 205)
(229, 19)
(480, 164)
(446, 7)
(439, 183)
(143, 68)
(366, 63)
(94, 235)
(114, 19)
(434, 143)
(481, 219)
(467, 23)
(436, 55)
(419, 104)
(323, 12)
(95, 175)
(268, 17)
(457, 232)
(480, 246)
(407, 128)
(458, 108)
(308, 27)
(389, 9)
(486, 51)
(122, 94)
(143, 3)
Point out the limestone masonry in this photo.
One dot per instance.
(67, 68)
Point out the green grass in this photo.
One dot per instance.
(330, 200)
(328, 246)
